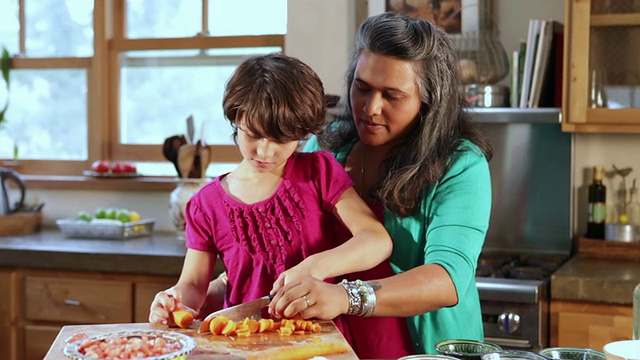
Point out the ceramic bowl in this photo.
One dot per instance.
(427, 357)
(465, 349)
(623, 350)
(513, 355)
(567, 353)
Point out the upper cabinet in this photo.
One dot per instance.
(602, 66)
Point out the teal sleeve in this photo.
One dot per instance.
(311, 144)
(459, 218)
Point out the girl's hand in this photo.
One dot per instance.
(294, 274)
(308, 297)
(163, 304)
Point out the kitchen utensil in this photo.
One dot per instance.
(622, 350)
(7, 206)
(567, 353)
(170, 149)
(205, 158)
(249, 309)
(190, 130)
(186, 155)
(465, 349)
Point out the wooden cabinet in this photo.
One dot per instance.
(601, 70)
(8, 327)
(35, 304)
(589, 325)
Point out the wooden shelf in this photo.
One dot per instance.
(608, 249)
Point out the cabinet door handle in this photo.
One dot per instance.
(72, 302)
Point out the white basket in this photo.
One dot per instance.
(84, 229)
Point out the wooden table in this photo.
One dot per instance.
(209, 346)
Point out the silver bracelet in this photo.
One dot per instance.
(362, 297)
(355, 303)
(368, 299)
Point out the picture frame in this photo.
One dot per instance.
(454, 16)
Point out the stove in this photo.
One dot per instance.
(514, 297)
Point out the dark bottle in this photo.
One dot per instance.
(597, 205)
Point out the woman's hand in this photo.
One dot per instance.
(163, 304)
(308, 297)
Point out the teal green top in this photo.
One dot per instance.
(448, 229)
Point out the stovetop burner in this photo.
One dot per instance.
(524, 267)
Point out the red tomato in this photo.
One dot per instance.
(124, 167)
(101, 166)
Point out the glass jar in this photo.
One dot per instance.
(636, 313)
(178, 198)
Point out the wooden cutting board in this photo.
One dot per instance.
(211, 346)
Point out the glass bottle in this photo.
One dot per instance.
(633, 209)
(597, 205)
(636, 313)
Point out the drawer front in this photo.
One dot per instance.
(144, 294)
(78, 300)
(38, 340)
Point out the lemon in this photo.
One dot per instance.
(134, 215)
(623, 219)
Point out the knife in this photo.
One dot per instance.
(250, 309)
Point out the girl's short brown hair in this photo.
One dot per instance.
(275, 96)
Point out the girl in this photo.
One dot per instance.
(281, 215)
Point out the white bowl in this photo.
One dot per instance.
(623, 350)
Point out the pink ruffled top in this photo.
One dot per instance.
(256, 242)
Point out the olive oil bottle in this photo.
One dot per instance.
(597, 205)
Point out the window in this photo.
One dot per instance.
(111, 79)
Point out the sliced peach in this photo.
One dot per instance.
(182, 318)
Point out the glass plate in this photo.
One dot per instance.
(110, 174)
(187, 343)
(86, 230)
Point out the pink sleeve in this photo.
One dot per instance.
(331, 179)
(198, 226)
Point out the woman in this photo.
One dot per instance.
(413, 154)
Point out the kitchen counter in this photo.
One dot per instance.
(158, 254)
(596, 280)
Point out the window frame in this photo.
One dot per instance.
(103, 86)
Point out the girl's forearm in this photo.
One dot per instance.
(362, 252)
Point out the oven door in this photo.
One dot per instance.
(516, 326)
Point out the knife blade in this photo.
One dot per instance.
(250, 309)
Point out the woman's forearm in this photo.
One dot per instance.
(417, 291)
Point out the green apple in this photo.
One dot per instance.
(83, 215)
(122, 215)
(100, 213)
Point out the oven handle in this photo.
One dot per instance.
(514, 343)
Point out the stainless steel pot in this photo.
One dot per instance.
(487, 96)
(622, 232)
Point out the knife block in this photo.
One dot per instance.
(20, 223)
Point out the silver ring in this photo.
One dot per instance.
(306, 300)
